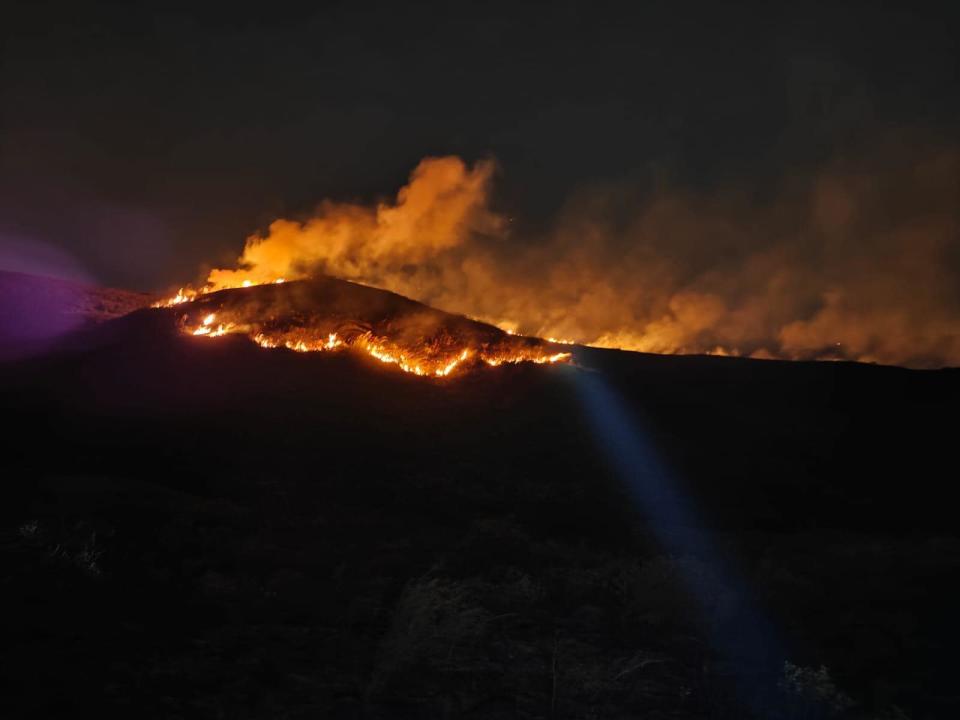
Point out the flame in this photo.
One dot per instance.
(206, 327)
(417, 361)
(188, 294)
(498, 360)
(183, 295)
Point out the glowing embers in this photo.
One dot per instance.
(424, 360)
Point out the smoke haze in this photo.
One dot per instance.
(859, 259)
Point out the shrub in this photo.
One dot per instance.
(434, 620)
(811, 692)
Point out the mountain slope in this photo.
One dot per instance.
(36, 311)
(204, 527)
(329, 314)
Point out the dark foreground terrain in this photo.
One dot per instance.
(197, 527)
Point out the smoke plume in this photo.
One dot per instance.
(859, 259)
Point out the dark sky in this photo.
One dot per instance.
(145, 142)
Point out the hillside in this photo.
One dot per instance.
(36, 311)
(328, 314)
(204, 527)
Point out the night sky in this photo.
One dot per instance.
(138, 144)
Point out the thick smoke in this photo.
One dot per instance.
(437, 211)
(858, 260)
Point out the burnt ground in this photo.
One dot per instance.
(204, 528)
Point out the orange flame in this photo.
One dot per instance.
(417, 361)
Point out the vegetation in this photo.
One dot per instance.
(338, 540)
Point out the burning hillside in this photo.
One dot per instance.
(832, 268)
(330, 315)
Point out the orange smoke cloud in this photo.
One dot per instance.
(443, 202)
(860, 260)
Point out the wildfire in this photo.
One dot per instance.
(419, 359)
(207, 328)
(539, 360)
(426, 356)
(183, 295)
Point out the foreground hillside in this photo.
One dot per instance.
(37, 311)
(201, 527)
